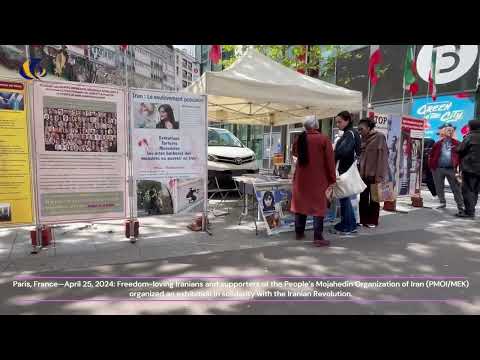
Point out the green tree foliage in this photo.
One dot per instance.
(320, 58)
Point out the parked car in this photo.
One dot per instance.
(228, 157)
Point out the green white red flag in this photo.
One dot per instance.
(375, 60)
(215, 53)
(410, 72)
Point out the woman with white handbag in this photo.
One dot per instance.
(347, 185)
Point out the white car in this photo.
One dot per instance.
(227, 156)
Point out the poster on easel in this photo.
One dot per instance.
(274, 202)
(410, 158)
(80, 143)
(169, 160)
(15, 181)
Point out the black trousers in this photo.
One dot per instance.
(470, 190)
(301, 222)
(369, 210)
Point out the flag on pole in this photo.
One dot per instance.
(375, 60)
(302, 59)
(215, 53)
(123, 47)
(410, 72)
(432, 86)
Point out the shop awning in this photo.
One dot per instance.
(256, 90)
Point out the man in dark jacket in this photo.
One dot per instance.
(469, 153)
(444, 162)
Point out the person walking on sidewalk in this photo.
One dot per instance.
(314, 173)
(444, 162)
(373, 169)
(469, 153)
(345, 150)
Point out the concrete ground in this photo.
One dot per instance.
(419, 242)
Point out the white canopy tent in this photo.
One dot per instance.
(256, 90)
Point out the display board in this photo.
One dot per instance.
(15, 178)
(169, 142)
(80, 143)
(410, 159)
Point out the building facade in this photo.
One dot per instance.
(151, 66)
(187, 69)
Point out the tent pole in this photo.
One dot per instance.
(271, 148)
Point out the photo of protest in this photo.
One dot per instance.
(11, 101)
(153, 198)
(5, 213)
(155, 116)
(79, 130)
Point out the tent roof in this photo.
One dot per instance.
(256, 90)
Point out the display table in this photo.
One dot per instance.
(256, 185)
(272, 197)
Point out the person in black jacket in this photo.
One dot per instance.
(346, 150)
(427, 173)
(469, 153)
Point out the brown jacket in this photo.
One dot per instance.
(374, 156)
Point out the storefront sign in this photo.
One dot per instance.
(15, 190)
(454, 110)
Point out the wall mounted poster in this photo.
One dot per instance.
(169, 141)
(15, 185)
(80, 142)
(411, 139)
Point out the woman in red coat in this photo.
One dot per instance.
(314, 173)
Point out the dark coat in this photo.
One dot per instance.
(469, 152)
(311, 181)
(346, 148)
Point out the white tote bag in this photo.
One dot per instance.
(349, 183)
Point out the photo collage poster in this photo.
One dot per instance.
(81, 146)
(15, 183)
(169, 158)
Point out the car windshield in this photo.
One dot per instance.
(222, 138)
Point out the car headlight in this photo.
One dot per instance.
(212, 158)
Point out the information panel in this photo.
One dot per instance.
(15, 185)
(81, 148)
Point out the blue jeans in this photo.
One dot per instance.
(348, 222)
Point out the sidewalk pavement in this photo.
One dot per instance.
(421, 242)
(83, 245)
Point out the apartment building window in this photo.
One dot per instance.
(184, 73)
(189, 65)
(177, 70)
(184, 84)
(184, 63)
(189, 77)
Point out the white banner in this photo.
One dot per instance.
(169, 142)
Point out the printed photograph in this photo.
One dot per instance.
(190, 194)
(79, 130)
(153, 198)
(405, 163)
(5, 213)
(12, 101)
(155, 116)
